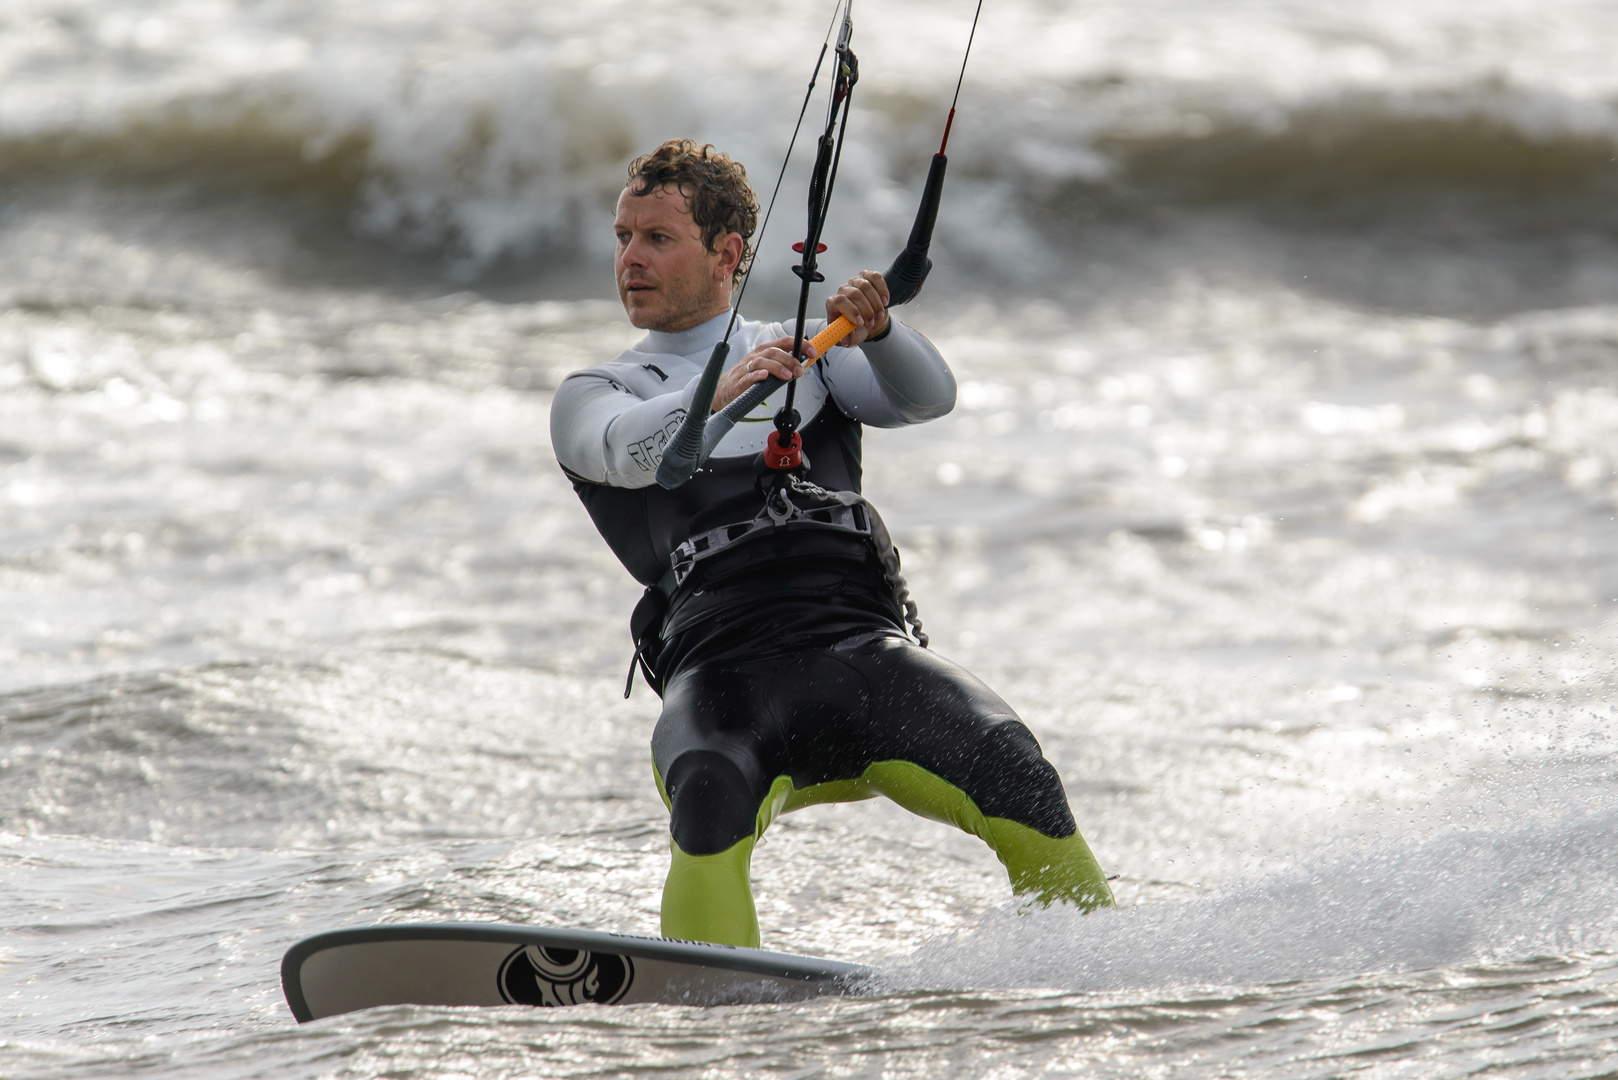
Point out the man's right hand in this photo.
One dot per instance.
(766, 359)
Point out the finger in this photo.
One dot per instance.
(785, 370)
(785, 356)
(874, 301)
(774, 362)
(848, 303)
(878, 285)
(881, 317)
(793, 366)
(865, 301)
(760, 361)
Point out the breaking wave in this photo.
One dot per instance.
(523, 156)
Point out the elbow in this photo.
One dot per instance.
(935, 400)
(914, 378)
(943, 402)
(920, 413)
(574, 438)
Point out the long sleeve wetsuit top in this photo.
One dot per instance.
(610, 422)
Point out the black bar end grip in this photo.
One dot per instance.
(684, 452)
(909, 271)
(750, 398)
(720, 425)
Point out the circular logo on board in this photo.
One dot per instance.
(546, 975)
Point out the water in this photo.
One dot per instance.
(1280, 501)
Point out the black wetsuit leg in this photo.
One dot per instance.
(731, 726)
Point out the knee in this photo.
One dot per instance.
(1011, 779)
(712, 803)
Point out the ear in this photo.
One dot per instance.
(731, 246)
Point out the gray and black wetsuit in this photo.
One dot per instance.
(786, 671)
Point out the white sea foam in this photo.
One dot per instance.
(1461, 898)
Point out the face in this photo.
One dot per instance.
(667, 278)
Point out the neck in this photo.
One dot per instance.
(721, 305)
(694, 339)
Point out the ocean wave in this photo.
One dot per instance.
(471, 155)
(1372, 157)
(233, 142)
(151, 757)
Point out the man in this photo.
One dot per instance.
(779, 643)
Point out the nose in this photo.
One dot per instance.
(633, 253)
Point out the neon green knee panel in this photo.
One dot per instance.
(1045, 868)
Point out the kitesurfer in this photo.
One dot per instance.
(780, 636)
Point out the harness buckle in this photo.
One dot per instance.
(779, 507)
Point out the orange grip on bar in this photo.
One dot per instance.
(830, 336)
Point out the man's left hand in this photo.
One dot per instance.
(863, 301)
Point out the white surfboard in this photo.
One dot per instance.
(490, 964)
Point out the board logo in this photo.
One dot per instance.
(545, 975)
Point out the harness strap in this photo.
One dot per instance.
(646, 628)
(846, 512)
(849, 512)
(840, 517)
(886, 551)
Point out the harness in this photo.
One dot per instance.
(796, 506)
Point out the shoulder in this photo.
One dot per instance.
(641, 375)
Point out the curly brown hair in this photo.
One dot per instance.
(715, 187)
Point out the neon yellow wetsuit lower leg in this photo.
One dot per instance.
(710, 897)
